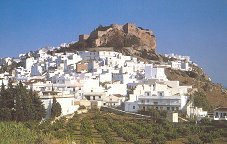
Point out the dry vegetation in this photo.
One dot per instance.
(215, 93)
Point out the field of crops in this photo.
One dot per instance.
(111, 128)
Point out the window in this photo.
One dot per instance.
(161, 93)
(172, 108)
(93, 97)
(147, 94)
(147, 101)
(100, 97)
(155, 103)
(168, 108)
(134, 107)
(177, 108)
(216, 113)
(142, 101)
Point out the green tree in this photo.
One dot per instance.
(19, 112)
(55, 109)
(2, 93)
(19, 104)
(200, 100)
(37, 106)
(6, 99)
(26, 102)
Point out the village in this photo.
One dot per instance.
(104, 79)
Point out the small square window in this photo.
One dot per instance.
(134, 107)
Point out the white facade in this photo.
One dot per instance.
(220, 113)
(117, 89)
(67, 104)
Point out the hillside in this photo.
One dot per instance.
(215, 93)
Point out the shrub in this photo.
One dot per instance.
(194, 139)
(11, 132)
(158, 139)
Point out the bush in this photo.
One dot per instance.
(11, 132)
(5, 114)
(205, 121)
(158, 139)
(194, 140)
(206, 138)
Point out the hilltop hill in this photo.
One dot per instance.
(128, 39)
(141, 43)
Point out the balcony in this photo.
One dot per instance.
(160, 103)
(94, 93)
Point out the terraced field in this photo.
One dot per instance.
(111, 128)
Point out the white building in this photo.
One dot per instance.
(155, 72)
(67, 102)
(220, 113)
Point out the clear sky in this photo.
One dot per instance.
(197, 28)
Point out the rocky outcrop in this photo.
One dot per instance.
(128, 39)
(118, 36)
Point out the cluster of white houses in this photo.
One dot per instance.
(101, 78)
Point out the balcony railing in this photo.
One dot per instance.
(159, 104)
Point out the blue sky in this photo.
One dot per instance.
(197, 27)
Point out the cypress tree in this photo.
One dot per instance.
(55, 109)
(20, 104)
(5, 113)
(3, 99)
(10, 95)
(19, 111)
(1, 95)
(38, 109)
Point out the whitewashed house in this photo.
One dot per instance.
(67, 102)
(220, 113)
